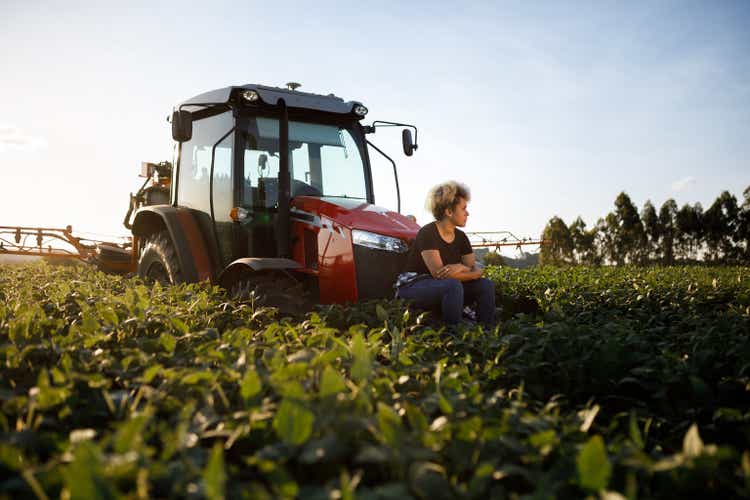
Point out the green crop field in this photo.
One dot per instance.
(623, 382)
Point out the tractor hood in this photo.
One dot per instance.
(356, 214)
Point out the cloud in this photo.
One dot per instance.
(12, 138)
(683, 184)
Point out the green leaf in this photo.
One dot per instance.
(150, 373)
(593, 465)
(129, 435)
(390, 424)
(48, 396)
(362, 365)
(327, 449)
(58, 377)
(89, 324)
(214, 476)
(84, 477)
(19, 326)
(417, 420)
(291, 389)
(404, 359)
(108, 314)
(370, 454)
(179, 325)
(331, 382)
(11, 457)
(168, 342)
(635, 432)
(692, 444)
(543, 439)
(250, 385)
(444, 405)
(427, 481)
(293, 422)
(197, 377)
(390, 491)
(381, 313)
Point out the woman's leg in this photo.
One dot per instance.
(482, 291)
(429, 293)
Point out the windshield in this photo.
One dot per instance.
(324, 160)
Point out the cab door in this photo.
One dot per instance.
(208, 157)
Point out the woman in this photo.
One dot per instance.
(441, 269)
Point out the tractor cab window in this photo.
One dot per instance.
(324, 160)
(195, 167)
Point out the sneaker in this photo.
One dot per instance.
(470, 314)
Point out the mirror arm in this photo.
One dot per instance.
(379, 123)
(395, 173)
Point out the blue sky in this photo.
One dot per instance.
(542, 109)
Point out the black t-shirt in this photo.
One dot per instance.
(428, 238)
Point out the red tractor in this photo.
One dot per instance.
(271, 180)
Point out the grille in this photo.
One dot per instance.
(377, 271)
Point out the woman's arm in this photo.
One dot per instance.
(460, 272)
(470, 261)
(468, 275)
(473, 270)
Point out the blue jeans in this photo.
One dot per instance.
(450, 295)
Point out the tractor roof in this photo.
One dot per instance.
(271, 95)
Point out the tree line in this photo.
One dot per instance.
(671, 235)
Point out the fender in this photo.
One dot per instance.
(234, 270)
(189, 236)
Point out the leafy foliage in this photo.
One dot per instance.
(720, 235)
(597, 381)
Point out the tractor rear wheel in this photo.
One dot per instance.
(158, 261)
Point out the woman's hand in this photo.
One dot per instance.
(451, 270)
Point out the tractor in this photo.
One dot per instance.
(271, 182)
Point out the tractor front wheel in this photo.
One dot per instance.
(275, 289)
(158, 261)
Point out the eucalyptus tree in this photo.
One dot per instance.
(584, 243)
(652, 230)
(559, 247)
(606, 240)
(743, 226)
(684, 232)
(667, 217)
(696, 231)
(629, 233)
(721, 222)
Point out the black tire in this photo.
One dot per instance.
(275, 289)
(158, 261)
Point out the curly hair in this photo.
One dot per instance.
(445, 196)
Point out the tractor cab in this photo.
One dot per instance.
(273, 179)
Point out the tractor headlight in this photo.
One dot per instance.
(378, 241)
(360, 110)
(250, 95)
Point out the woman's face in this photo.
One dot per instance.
(458, 214)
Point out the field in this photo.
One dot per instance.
(623, 382)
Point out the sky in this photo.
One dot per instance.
(541, 108)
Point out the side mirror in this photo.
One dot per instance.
(182, 125)
(409, 146)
